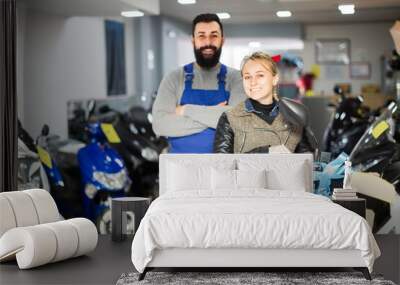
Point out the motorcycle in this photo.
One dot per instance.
(40, 168)
(103, 175)
(48, 162)
(31, 173)
(377, 151)
(59, 161)
(69, 164)
(142, 121)
(384, 217)
(349, 121)
(138, 146)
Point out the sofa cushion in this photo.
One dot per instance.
(45, 206)
(7, 220)
(26, 208)
(23, 208)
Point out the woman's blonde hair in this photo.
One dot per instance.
(265, 60)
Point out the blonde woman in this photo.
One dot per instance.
(263, 122)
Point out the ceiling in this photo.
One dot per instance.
(304, 11)
(98, 8)
(242, 11)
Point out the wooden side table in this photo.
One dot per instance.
(357, 205)
(119, 207)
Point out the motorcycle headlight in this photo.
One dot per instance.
(100, 177)
(117, 180)
(149, 154)
(90, 190)
(112, 181)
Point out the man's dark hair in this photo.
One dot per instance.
(207, 18)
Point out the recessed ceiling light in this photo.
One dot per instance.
(284, 14)
(346, 9)
(186, 2)
(254, 44)
(133, 13)
(223, 15)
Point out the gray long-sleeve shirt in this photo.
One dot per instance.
(196, 117)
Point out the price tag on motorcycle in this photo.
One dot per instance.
(44, 157)
(110, 133)
(379, 129)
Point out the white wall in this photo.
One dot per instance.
(64, 59)
(368, 42)
(177, 49)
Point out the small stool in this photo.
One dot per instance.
(119, 207)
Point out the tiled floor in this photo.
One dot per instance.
(110, 260)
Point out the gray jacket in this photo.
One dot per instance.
(240, 130)
(196, 118)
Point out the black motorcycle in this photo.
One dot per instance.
(141, 121)
(349, 122)
(377, 151)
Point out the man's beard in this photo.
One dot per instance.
(207, 62)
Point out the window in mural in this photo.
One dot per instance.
(115, 54)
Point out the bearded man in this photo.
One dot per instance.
(191, 99)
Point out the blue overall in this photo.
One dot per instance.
(201, 142)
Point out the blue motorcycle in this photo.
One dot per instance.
(103, 175)
(48, 163)
(58, 159)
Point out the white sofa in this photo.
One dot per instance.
(33, 232)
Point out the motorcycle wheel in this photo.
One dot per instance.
(103, 222)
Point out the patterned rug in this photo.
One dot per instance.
(243, 278)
